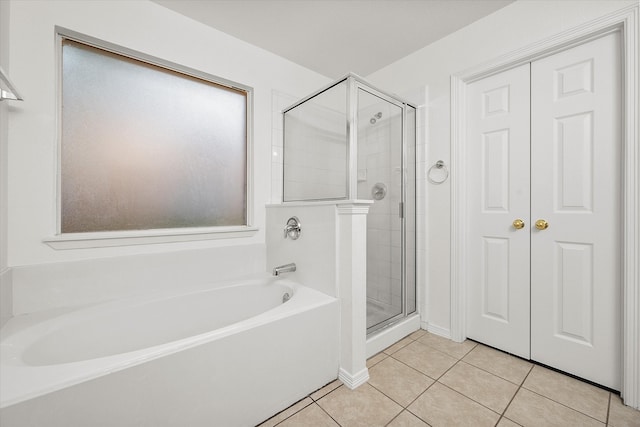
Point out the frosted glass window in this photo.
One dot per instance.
(145, 147)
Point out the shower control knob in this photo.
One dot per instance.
(293, 228)
(379, 191)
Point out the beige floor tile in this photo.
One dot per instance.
(425, 359)
(506, 422)
(326, 389)
(376, 359)
(441, 406)
(621, 415)
(531, 409)
(397, 346)
(312, 416)
(364, 406)
(398, 381)
(501, 364)
(493, 392)
(576, 394)
(287, 412)
(445, 345)
(417, 334)
(407, 419)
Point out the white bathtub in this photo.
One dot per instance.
(228, 355)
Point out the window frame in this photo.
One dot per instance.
(150, 236)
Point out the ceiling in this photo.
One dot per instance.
(333, 37)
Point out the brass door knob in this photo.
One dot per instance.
(518, 224)
(541, 224)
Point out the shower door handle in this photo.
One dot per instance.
(401, 209)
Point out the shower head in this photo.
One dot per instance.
(375, 117)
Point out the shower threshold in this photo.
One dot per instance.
(394, 332)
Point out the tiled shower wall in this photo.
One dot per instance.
(316, 161)
(281, 100)
(379, 161)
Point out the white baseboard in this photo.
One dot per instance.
(437, 330)
(355, 380)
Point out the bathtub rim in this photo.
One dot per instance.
(35, 381)
(32, 332)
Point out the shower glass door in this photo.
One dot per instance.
(381, 177)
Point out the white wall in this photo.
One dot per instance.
(139, 25)
(519, 24)
(314, 252)
(29, 166)
(5, 275)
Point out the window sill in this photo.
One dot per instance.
(145, 237)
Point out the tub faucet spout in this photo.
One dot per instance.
(287, 268)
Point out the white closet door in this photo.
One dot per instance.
(497, 194)
(576, 188)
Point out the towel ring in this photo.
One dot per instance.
(439, 165)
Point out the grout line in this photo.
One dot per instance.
(436, 380)
(324, 395)
(418, 396)
(408, 411)
(397, 350)
(514, 396)
(501, 351)
(430, 385)
(475, 344)
(608, 410)
(433, 348)
(403, 409)
(421, 419)
(395, 401)
(496, 375)
(322, 409)
(287, 408)
(386, 395)
(473, 400)
(572, 376)
(566, 406)
(409, 366)
(445, 372)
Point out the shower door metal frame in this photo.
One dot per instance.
(355, 84)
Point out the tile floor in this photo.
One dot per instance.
(426, 380)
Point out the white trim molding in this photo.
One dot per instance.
(437, 330)
(351, 277)
(626, 22)
(353, 381)
(145, 237)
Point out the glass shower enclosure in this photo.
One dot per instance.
(351, 141)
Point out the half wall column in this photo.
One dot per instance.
(351, 269)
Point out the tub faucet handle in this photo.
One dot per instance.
(293, 228)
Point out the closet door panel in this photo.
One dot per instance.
(576, 189)
(497, 194)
